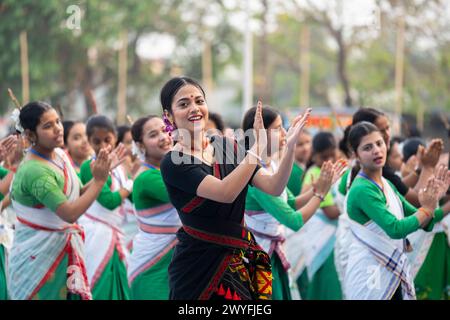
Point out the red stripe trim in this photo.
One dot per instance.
(50, 271)
(217, 171)
(153, 261)
(193, 204)
(214, 283)
(218, 239)
(101, 221)
(38, 227)
(158, 229)
(154, 211)
(103, 264)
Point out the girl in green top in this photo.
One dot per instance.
(320, 281)
(266, 214)
(106, 251)
(46, 260)
(380, 221)
(157, 219)
(302, 156)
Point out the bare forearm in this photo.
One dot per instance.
(332, 212)
(410, 180)
(303, 198)
(279, 179)
(446, 208)
(423, 178)
(71, 211)
(235, 182)
(310, 208)
(227, 190)
(413, 197)
(6, 202)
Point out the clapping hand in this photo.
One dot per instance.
(339, 168)
(7, 146)
(100, 167)
(259, 130)
(429, 157)
(442, 177)
(325, 180)
(118, 155)
(297, 125)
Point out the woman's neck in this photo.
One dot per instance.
(375, 175)
(78, 160)
(46, 152)
(301, 164)
(153, 161)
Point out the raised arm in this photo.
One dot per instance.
(274, 184)
(70, 211)
(227, 189)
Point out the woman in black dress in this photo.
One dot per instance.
(207, 181)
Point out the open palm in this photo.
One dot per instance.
(297, 125)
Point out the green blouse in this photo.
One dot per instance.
(37, 183)
(342, 188)
(367, 202)
(296, 179)
(107, 198)
(149, 190)
(284, 212)
(3, 173)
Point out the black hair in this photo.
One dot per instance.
(366, 114)
(359, 131)
(410, 147)
(323, 141)
(99, 121)
(398, 139)
(269, 115)
(67, 125)
(30, 114)
(138, 126)
(171, 88)
(218, 121)
(343, 143)
(121, 131)
(356, 134)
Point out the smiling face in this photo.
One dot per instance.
(371, 151)
(102, 138)
(77, 142)
(189, 109)
(276, 136)
(49, 132)
(155, 140)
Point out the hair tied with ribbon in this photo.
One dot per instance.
(15, 116)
